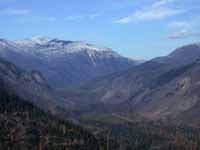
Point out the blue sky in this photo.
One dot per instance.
(134, 28)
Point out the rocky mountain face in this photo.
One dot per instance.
(172, 94)
(17, 78)
(63, 63)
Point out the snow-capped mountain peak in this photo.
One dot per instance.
(41, 39)
(36, 40)
(57, 44)
(5, 43)
(26, 42)
(79, 46)
(72, 46)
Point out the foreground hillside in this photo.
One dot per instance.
(25, 127)
(143, 135)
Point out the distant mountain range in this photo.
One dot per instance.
(63, 63)
(75, 78)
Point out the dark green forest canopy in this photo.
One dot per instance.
(23, 126)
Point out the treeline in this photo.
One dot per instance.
(148, 136)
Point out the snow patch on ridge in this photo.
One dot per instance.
(46, 47)
(41, 39)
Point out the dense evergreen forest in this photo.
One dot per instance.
(25, 127)
(144, 135)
